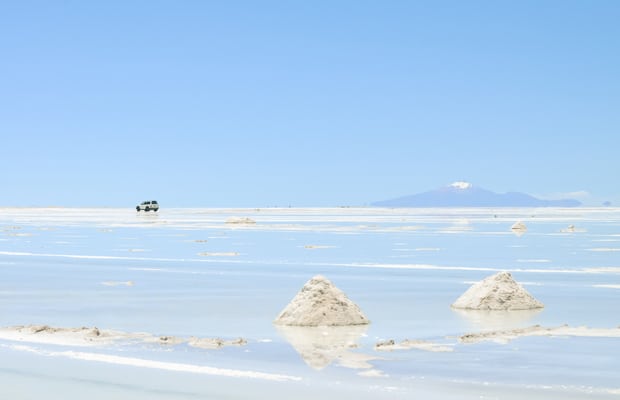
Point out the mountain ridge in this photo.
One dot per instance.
(464, 194)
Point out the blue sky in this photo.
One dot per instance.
(321, 103)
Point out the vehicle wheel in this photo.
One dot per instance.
(138, 209)
(155, 209)
(147, 209)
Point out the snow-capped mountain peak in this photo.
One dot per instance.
(461, 185)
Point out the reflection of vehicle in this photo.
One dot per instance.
(148, 206)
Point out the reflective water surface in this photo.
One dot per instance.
(227, 273)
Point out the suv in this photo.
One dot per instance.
(148, 206)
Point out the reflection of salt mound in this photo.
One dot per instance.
(320, 346)
(320, 303)
(497, 292)
(497, 319)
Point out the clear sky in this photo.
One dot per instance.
(305, 103)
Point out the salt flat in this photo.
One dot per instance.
(186, 273)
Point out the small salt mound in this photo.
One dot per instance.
(240, 220)
(320, 303)
(571, 229)
(519, 228)
(497, 292)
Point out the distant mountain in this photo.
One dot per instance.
(464, 194)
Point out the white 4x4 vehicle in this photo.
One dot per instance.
(147, 206)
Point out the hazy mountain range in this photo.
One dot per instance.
(464, 194)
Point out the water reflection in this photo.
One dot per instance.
(320, 346)
(497, 320)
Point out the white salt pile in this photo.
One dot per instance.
(519, 227)
(572, 229)
(497, 292)
(320, 303)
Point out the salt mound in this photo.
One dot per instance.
(240, 220)
(497, 292)
(519, 228)
(320, 303)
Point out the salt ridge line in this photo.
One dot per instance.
(607, 286)
(505, 336)
(588, 270)
(94, 336)
(161, 365)
(96, 257)
(82, 256)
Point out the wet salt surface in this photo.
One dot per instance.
(58, 271)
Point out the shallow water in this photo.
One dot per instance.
(186, 272)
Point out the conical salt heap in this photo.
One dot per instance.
(518, 228)
(320, 303)
(497, 292)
